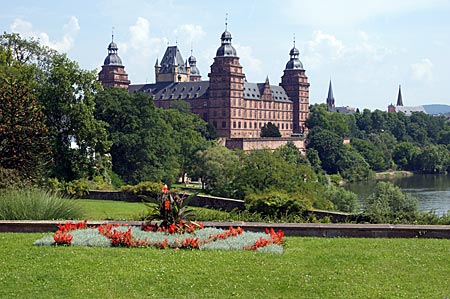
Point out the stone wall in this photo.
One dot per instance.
(271, 143)
(206, 201)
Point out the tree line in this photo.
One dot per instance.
(378, 141)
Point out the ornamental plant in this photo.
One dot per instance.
(172, 210)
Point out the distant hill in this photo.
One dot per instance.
(437, 109)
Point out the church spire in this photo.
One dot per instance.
(330, 97)
(399, 97)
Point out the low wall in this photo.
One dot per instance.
(290, 229)
(272, 143)
(204, 201)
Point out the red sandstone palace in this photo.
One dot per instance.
(236, 108)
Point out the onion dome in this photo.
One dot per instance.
(112, 58)
(294, 63)
(226, 49)
(193, 65)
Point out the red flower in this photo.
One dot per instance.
(165, 189)
(167, 205)
(62, 238)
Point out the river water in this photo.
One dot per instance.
(432, 191)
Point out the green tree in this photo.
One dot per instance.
(320, 117)
(314, 160)
(24, 142)
(343, 200)
(364, 121)
(388, 203)
(433, 159)
(143, 147)
(186, 132)
(403, 155)
(352, 165)
(217, 167)
(263, 170)
(66, 93)
(270, 130)
(373, 156)
(291, 154)
(329, 147)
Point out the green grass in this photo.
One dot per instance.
(120, 210)
(309, 268)
(111, 210)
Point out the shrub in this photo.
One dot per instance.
(76, 188)
(343, 200)
(36, 204)
(389, 204)
(275, 203)
(336, 179)
(149, 189)
(11, 179)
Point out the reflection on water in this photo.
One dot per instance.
(432, 191)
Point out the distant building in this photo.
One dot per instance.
(331, 106)
(407, 110)
(235, 107)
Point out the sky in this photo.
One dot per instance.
(367, 48)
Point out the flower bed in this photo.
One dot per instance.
(190, 235)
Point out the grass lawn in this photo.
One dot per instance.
(309, 268)
(111, 210)
(120, 210)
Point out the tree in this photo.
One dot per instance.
(320, 117)
(76, 135)
(343, 200)
(388, 203)
(373, 156)
(263, 170)
(217, 167)
(291, 154)
(314, 160)
(433, 159)
(24, 144)
(403, 155)
(270, 130)
(186, 131)
(352, 165)
(364, 121)
(67, 94)
(143, 147)
(328, 146)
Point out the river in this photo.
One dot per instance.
(432, 191)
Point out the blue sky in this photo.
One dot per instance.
(367, 48)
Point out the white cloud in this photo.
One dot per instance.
(252, 65)
(189, 33)
(349, 12)
(70, 29)
(325, 48)
(140, 40)
(422, 70)
(140, 48)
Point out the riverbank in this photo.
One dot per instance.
(392, 174)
